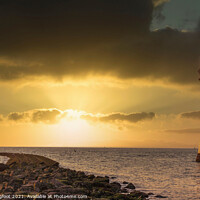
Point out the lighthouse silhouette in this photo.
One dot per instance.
(198, 154)
(199, 73)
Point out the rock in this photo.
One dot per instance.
(33, 176)
(21, 176)
(12, 164)
(115, 186)
(83, 184)
(3, 167)
(48, 170)
(51, 193)
(81, 174)
(124, 190)
(75, 191)
(16, 183)
(21, 193)
(58, 175)
(119, 197)
(41, 186)
(5, 184)
(70, 173)
(27, 188)
(56, 164)
(139, 194)
(101, 179)
(11, 173)
(1, 178)
(23, 164)
(57, 183)
(160, 196)
(33, 193)
(91, 177)
(66, 181)
(99, 192)
(150, 193)
(125, 182)
(4, 177)
(8, 189)
(1, 187)
(99, 184)
(130, 186)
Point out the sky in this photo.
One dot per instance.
(101, 73)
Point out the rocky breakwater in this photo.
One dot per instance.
(27, 176)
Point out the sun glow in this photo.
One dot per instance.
(73, 125)
(74, 129)
(74, 114)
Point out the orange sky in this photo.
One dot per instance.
(99, 75)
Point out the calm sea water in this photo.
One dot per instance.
(168, 172)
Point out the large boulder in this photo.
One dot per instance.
(91, 177)
(115, 187)
(130, 186)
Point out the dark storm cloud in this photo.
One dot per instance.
(48, 116)
(132, 117)
(58, 38)
(191, 115)
(191, 130)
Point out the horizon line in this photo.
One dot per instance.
(100, 147)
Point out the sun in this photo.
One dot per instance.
(73, 129)
(72, 125)
(73, 114)
(73, 121)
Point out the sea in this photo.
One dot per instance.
(172, 173)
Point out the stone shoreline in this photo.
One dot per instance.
(42, 178)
